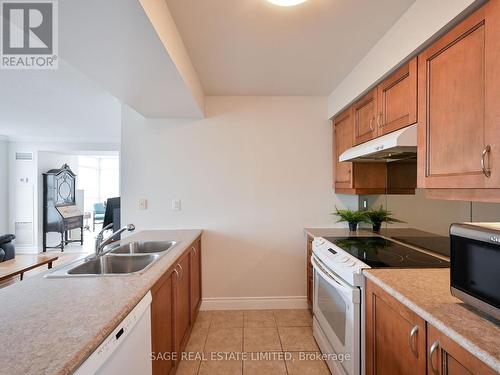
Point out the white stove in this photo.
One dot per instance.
(341, 262)
(338, 298)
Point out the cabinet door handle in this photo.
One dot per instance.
(182, 271)
(371, 123)
(486, 171)
(194, 250)
(379, 119)
(411, 338)
(176, 272)
(434, 346)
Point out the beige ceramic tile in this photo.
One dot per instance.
(224, 340)
(197, 339)
(308, 366)
(258, 318)
(264, 367)
(221, 368)
(203, 319)
(261, 340)
(293, 318)
(297, 339)
(188, 367)
(227, 319)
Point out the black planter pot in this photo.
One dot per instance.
(376, 227)
(353, 227)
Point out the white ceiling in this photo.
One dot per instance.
(62, 104)
(114, 43)
(251, 47)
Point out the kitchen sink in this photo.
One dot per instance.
(144, 247)
(110, 264)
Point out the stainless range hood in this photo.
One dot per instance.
(398, 145)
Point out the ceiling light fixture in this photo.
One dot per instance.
(286, 3)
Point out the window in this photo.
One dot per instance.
(99, 178)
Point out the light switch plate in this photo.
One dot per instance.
(176, 205)
(143, 204)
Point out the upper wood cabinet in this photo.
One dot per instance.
(390, 106)
(365, 112)
(395, 336)
(353, 178)
(343, 140)
(397, 99)
(458, 105)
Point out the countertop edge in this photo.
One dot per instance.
(459, 339)
(79, 358)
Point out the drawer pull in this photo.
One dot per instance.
(434, 346)
(411, 339)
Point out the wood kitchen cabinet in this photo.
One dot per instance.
(458, 110)
(195, 273)
(354, 178)
(390, 106)
(446, 357)
(397, 99)
(162, 324)
(395, 336)
(309, 269)
(175, 305)
(400, 342)
(182, 305)
(365, 112)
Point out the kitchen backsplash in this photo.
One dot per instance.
(432, 215)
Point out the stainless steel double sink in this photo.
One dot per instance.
(131, 258)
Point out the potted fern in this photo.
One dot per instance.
(352, 217)
(377, 217)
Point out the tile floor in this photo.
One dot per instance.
(273, 342)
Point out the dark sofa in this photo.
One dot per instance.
(7, 247)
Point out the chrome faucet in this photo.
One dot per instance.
(101, 243)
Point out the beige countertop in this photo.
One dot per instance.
(50, 326)
(427, 293)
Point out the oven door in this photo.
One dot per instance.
(337, 309)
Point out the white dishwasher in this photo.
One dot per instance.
(127, 350)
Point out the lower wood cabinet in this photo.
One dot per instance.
(182, 302)
(162, 324)
(195, 265)
(309, 272)
(446, 357)
(400, 342)
(175, 305)
(395, 336)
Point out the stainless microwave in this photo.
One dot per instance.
(475, 265)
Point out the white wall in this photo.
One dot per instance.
(4, 185)
(252, 174)
(417, 25)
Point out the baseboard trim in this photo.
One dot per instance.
(254, 303)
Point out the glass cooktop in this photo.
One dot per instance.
(378, 252)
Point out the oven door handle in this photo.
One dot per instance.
(350, 292)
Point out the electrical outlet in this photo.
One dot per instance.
(176, 205)
(143, 204)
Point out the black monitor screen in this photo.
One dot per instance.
(112, 214)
